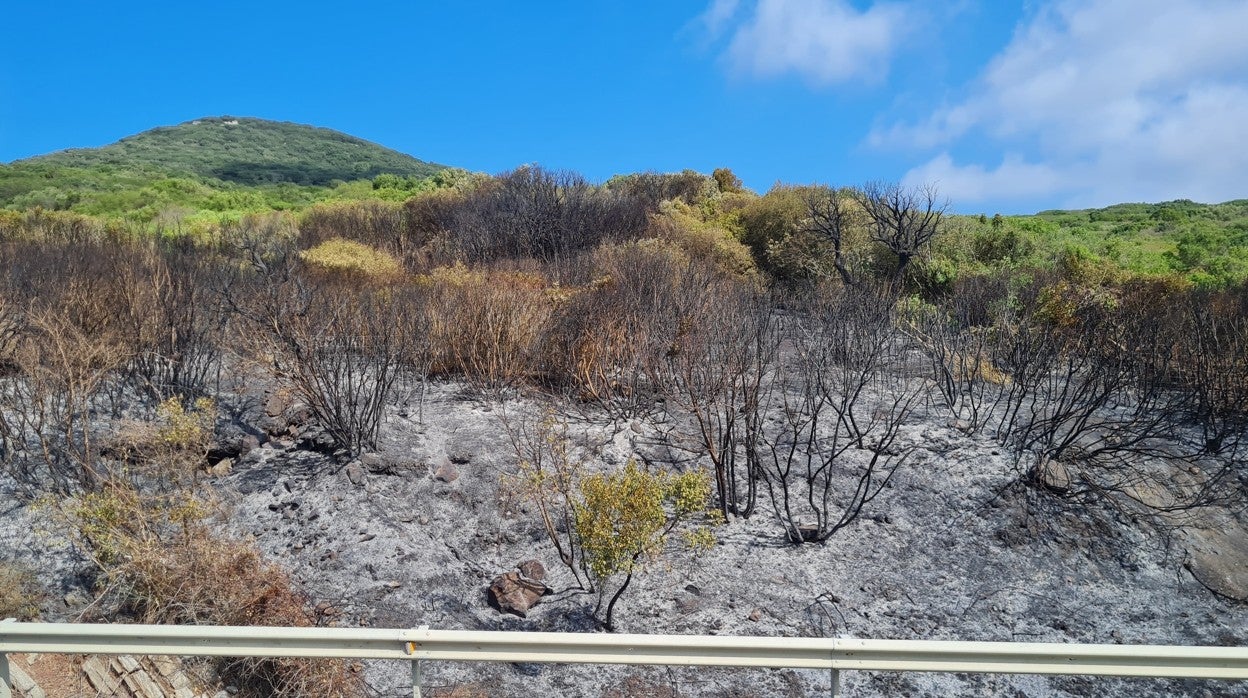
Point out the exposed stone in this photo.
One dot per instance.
(248, 444)
(100, 678)
(687, 604)
(755, 615)
(511, 593)
(1218, 559)
(166, 666)
(222, 467)
(1054, 475)
(447, 472)
(142, 685)
(276, 404)
(24, 684)
(124, 664)
(532, 569)
(375, 463)
(75, 597)
(806, 533)
(355, 473)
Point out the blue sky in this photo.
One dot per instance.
(1005, 106)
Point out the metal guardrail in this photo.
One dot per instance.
(423, 644)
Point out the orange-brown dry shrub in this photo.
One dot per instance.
(613, 337)
(485, 325)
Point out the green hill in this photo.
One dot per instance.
(247, 151)
(219, 165)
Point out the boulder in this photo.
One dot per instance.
(249, 443)
(532, 569)
(1218, 559)
(512, 593)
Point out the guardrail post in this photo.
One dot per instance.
(415, 679)
(6, 681)
(836, 683)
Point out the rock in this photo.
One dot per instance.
(355, 473)
(249, 443)
(635, 426)
(1053, 475)
(460, 452)
(142, 686)
(447, 472)
(125, 664)
(24, 684)
(806, 533)
(1218, 559)
(693, 589)
(367, 537)
(277, 404)
(688, 604)
(755, 615)
(75, 597)
(511, 593)
(165, 665)
(375, 463)
(222, 467)
(100, 677)
(532, 569)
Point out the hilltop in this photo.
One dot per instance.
(247, 151)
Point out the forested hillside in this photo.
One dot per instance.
(220, 165)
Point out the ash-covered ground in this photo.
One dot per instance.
(413, 535)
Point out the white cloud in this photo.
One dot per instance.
(825, 41)
(1114, 100)
(1012, 179)
(718, 15)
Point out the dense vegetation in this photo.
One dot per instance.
(248, 151)
(208, 169)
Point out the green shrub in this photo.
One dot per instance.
(623, 521)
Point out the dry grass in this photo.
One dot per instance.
(486, 326)
(350, 259)
(20, 592)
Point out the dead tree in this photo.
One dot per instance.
(832, 218)
(902, 219)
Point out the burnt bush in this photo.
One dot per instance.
(841, 399)
(339, 345)
(532, 212)
(722, 375)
